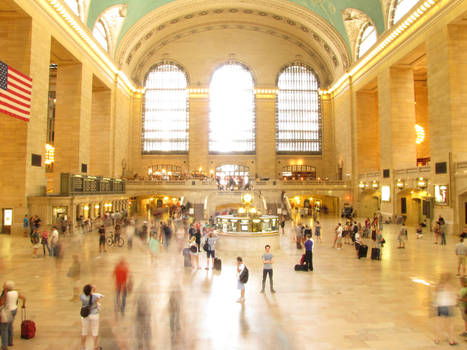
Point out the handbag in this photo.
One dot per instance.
(206, 245)
(86, 310)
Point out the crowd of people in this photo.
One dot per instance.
(156, 234)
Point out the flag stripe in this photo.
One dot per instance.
(6, 104)
(21, 81)
(16, 115)
(10, 110)
(17, 95)
(18, 88)
(27, 105)
(19, 73)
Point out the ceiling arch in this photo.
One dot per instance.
(328, 10)
(308, 30)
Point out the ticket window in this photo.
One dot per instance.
(7, 220)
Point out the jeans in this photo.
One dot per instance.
(166, 240)
(45, 244)
(443, 238)
(6, 330)
(120, 303)
(309, 260)
(265, 273)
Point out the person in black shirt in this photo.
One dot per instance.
(102, 239)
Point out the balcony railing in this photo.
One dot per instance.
(73, 184)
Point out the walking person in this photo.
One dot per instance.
(167, 235)
(299, 235)
(74, 272)
(122, 280)
(26, 225)
(461, 252)
(318, 231)
(54, 237)
(401, 237)
(442, 233)
(35, 242)
(8, 309)
(211, 245)
(309, 247)
(283, 224)
(268, 260)
(242, 271)
(101, 232)
(90, 323)
(462, 299)
(45, 242)
(194, 255)
(338, 237)
(444, 301)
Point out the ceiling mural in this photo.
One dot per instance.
(330, 10)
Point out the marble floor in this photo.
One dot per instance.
(345, 303)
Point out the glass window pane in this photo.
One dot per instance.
(402, 8)
(73, 5)
(165, 113)
(100, 35)
(231, 110)
(367, 40)
(298, 120)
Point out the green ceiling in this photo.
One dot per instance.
(330, 10)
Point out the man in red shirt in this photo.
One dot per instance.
(121, 273)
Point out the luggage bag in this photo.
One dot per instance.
(186, 257)
(28, 327)
(217, 264)
(299, 267)
(362, 251)
(375, 254)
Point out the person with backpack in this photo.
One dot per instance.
(8, 309)
(242, 278)
(90, 315)
(210, 244)
(35, 243)
(402, 236)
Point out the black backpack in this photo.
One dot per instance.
(244, 276)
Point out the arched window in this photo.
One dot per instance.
(367, 39)
(298, 119)
(165, 112)
(232, 110)
(101, 35)
(401, 8)
(73, 5)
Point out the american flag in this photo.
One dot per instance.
(15, 93)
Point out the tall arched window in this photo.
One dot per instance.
(73, 5)
(367, 39)
(165, 112)
(298, 119)
(401, 8)
(232, 110)
(100, 34)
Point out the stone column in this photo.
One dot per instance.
(28, 51)
(265, 136)
(198, 150)
(72, 120)
(101, 133)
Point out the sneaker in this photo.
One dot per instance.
(463, 334)
(262, 291)
(273, 291)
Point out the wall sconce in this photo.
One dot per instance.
(247, 198)
(97, 206)
(86, 207)
(400, 184)
(150, 171)
(421, 182)
(361, 185)
(374, 184)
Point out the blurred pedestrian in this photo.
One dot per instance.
(122, 278)
(444, 302)
(461, 252)
(462, 298)
(74, 272)
(35, 242)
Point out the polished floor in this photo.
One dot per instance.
(345, 303)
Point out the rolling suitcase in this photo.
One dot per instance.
(302, 260)
(28, 327)
(186, 257)
(375, 254)
(217, 264)
(299, 267)
(362, 251)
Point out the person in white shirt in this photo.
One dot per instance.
(54, 237)
(240, 285)
(9, 302)
(338, 236)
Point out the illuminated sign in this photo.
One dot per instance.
(441, 194)
(7, 217)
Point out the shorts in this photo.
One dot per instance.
(461, 259)
(446, 311)
(211, 254)
(240, 285)
(317, 234)
(90, 323)
(101, 240)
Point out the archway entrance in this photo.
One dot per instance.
(370, 203)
